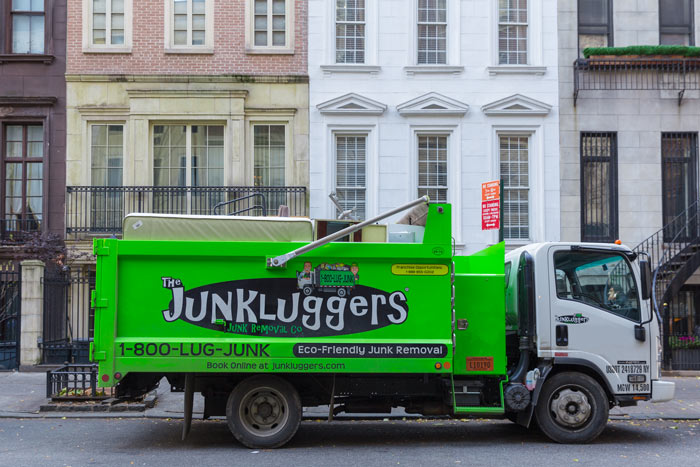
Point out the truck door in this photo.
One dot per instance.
(596, 303)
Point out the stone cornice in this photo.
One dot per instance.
(107, 78)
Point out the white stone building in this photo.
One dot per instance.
(409, 97)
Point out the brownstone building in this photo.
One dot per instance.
(32, 116)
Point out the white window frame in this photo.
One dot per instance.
(368, 168)
(249, 162)
(370, 66)
(335, 36)
(453, 65)
(169, 24)
(535, 45)
(454, 168)
(93, 123)
(536, 208)
(290, 25)
(89, 47)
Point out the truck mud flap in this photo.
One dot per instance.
(189, 404)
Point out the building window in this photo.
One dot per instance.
(269, 162)
(107, 161)
(351, 173)
(676, 22)
(189, 22)
(108, 22)
(189, 156)
(432, 167)
(432, 32)
(27, 26)
(512, 32)
(350, 31)
(515, 175)
(594, 24)
(599, 187)
(270, 23)
(23, 159)
(679, 165)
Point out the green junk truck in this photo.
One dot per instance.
(556, 337)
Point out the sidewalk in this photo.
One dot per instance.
(21, 395)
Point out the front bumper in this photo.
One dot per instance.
(662, 391)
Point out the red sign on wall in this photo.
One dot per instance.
(490, 205)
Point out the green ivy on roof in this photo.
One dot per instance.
(643, 50)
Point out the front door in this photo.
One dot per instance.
(596, 304)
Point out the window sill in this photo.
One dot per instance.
(350, 68)
(190, 50)
(26, 58)
(516, 70)
(433, 69)
(106, 50)
(269, 50)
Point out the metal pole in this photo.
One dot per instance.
(281, 260)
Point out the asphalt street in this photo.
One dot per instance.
(78, 442)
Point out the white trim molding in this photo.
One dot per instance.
(168, 22)
(517, 104)
(87, 29)
(516, 70)
(433, 69)
(350, 68)
(433, 103)
(351, 104)
(289, 27)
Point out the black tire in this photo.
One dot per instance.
(572, 408)
(263, 412)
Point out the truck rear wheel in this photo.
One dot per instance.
(572, 408)
(263, 412)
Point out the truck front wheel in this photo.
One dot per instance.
(572, 408)
(263, 412)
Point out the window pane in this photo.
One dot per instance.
(35, 133)
(593, 12)
(278, 7)
(514, 166)
(99, 6)
(20, 34)
(432, 32)
(278, 38)
(198, 7)
(198, 22)
(99, 36)
(180, 7)
(37, 34)
(21, 5)
(37, 5)
(117, 6)
(675, 12)
(604, 281)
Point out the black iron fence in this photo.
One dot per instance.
(10, 307)
(99, 210)
(644, 73)
(68, 316)
(682, 325)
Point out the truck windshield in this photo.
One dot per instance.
(600, 279)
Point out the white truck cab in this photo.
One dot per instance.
(594, 317)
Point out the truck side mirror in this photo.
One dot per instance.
(645, 276)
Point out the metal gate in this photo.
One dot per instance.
(68, 317)
(10, 306)
(682, 316)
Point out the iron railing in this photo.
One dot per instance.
(10, 307)
(68, 315)
(639, 74)
(99, 210)
(675, 254)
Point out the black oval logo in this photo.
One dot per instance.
(278, 308)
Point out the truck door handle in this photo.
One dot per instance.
(562, 335)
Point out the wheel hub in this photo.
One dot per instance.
(572, 408)
(264, 412)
